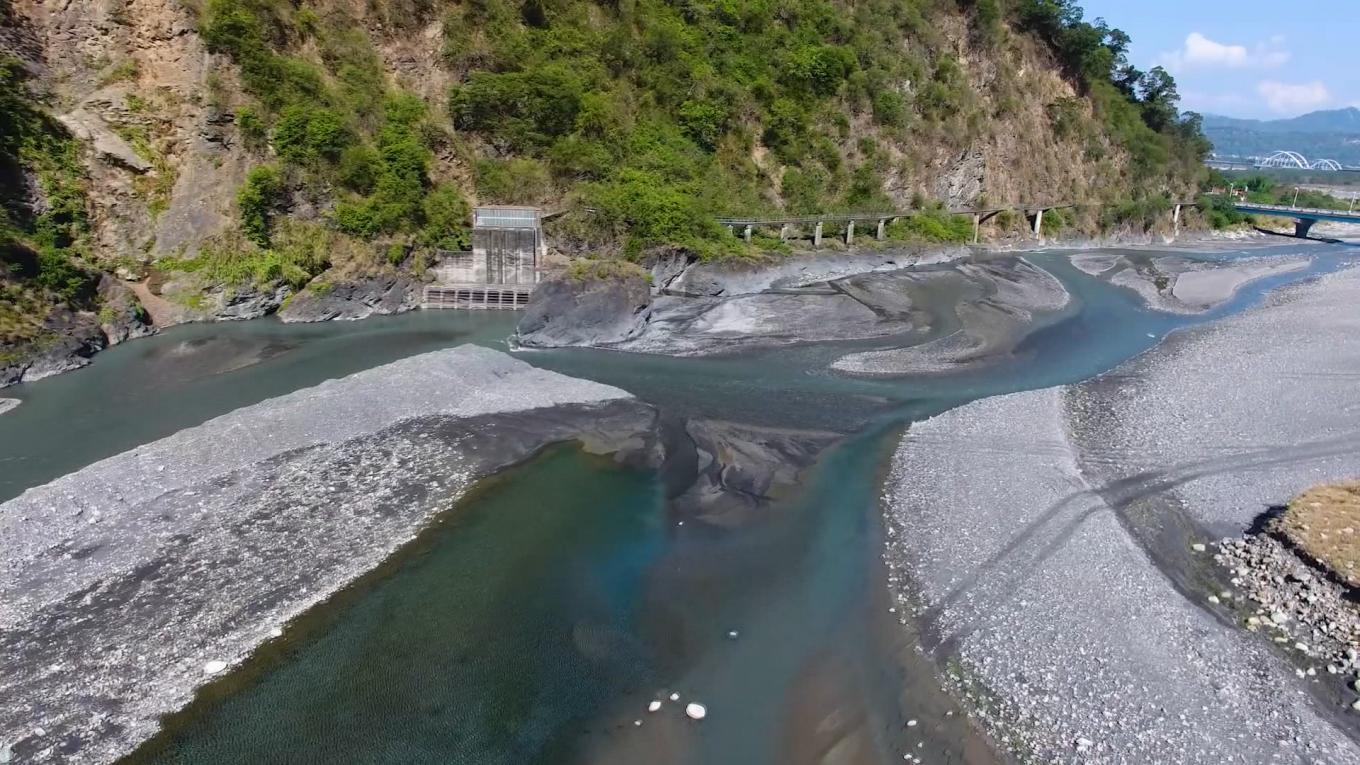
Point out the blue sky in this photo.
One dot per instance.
(1249, 58)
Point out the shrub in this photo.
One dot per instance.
(446, 219)
(256, 200)
(359, 168)
(821, 68)
(605, 269)
(304, 134)
(932, 225)
(703, 122)
(512, 181)
(643, 209)
(519, 111)
(252, 127)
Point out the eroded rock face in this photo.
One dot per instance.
(357, 299)
(138, 66)
(743, 466)
(566, 312)
(70, 338)
(209, 539)
(997, 304)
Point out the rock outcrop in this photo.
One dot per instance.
(588, 311)
(68, 340)
(121, 317)
(357, 299)
(742, 467)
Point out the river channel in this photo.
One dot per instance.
(536, 621)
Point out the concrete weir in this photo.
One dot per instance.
(127, 584)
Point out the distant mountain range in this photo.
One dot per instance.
(1328, 121)
(1330, 134)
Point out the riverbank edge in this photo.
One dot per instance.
(395, 296)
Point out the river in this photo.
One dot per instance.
(538, 618)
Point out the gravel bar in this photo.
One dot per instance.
(127, 584)
(1055, 624)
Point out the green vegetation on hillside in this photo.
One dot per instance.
(653, 114)
(40, 245)
(342, 136)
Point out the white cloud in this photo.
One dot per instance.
(1287, 98)
(1200, 51)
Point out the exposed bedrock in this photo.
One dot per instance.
(1177, 284)
(1060, 632)
(126, 584)
(980, 312)
(741, 467)
(713, 308)
(353, 299)
(589, 311)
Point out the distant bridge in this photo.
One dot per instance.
(1034, 214)
(1292, 160)
(1304, 217)
(1280, 160)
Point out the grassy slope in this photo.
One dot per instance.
(42, 246)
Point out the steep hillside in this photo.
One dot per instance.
(234, 151)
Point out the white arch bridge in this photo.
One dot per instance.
(1293, 160)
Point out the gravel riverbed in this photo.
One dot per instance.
(1016, 537)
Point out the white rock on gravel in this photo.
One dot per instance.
(696, 711)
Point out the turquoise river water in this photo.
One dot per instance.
(535, 622)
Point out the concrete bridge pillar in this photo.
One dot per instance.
(1038, 223)
(1302, 226)
(882, 229)
(817, 235)
(784, 233)
(850, 232)
(977, 227)
(746, 234)
(1176, 220)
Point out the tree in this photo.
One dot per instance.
(1161, 102)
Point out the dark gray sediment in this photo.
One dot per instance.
(1016, 528)
(213, 538)
(1004, 300)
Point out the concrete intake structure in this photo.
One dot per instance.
(502, 269)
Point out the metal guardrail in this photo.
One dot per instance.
(1244, 206)
(878, 216)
